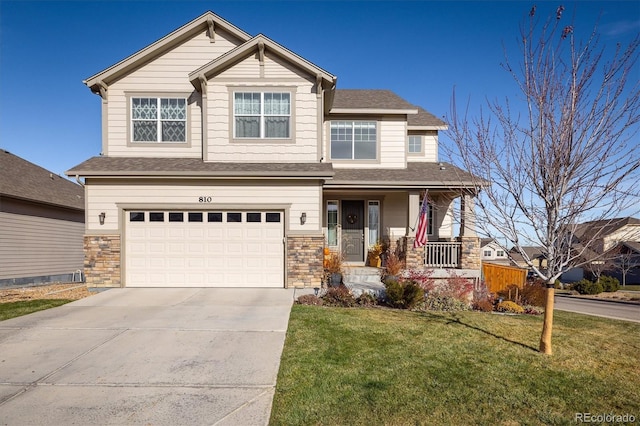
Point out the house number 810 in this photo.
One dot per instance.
(204, 199)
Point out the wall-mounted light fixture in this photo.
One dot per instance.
(303, 218)
(101, 217)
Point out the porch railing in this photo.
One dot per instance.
(442, 254)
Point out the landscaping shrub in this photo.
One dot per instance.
(310, 299)
(422, 277)
(609, 284)
(533, 293)
(393, 265)
(484, 305)
(457, 287)
(532, 310)
(437, 302)
(366, 300)
(482, 300)
(511, 293)
(403, 294)
(510, 307)
(588, 287)
(339, 297)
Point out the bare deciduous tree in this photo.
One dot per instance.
(560, 154)
(626, 260)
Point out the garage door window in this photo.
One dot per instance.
(214, 217)
(195, 217)
(176, 217)
(234, 217)
(273, 217)
(136, 216)
(254, 217)
(156, 217)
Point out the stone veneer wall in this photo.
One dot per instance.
(470, 253)
(102, 260)
(304, 260)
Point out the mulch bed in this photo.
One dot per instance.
(73, 291)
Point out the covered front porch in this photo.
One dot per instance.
(354, 220)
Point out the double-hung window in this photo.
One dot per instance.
(415, 144)
(353, 140)
(158, 119)
(262, 115)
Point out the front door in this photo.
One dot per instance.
(353, 230)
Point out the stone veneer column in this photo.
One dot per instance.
(414, 256)
(102, 260)
(470, 253)
(304, 260)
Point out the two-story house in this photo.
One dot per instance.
(228, 160)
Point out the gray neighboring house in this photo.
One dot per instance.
(41, 224)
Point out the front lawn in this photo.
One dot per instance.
(24, 307)
(380, 366)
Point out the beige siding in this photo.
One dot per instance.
(108, 198)
(166, 74)
(395, 215)
(626, 233)
(430, 154)
(392, 136)
(33, 246)
(303, 146)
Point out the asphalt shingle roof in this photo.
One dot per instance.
(416, 173)
(106, 166)
(369, 98)
(22, 179)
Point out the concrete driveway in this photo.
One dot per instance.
(146, 356)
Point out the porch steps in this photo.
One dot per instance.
(363, 279)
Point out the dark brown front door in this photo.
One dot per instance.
(353, 230)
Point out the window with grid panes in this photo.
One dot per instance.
(158, 119)
(353, 140)
(262, 115)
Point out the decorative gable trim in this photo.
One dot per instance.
(209, 21)
(260, 44)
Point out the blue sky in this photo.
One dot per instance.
(419, 49)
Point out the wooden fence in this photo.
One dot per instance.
(498, 277)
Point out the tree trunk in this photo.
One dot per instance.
(547, 326)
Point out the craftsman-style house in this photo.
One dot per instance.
(228, 160)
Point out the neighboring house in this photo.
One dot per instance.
(534, 253)
(608, 241)
(229, 160)
(41, 224)
(491, 252)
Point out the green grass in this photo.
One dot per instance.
(630, 288)
(17, 309)
(378, 366)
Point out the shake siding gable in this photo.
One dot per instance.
(109, 197)
(165, 75)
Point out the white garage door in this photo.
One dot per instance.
(204, 249)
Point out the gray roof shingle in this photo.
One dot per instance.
(128, 166)
(369, 98)
(22, 179)
(383, 99)
(417, 174)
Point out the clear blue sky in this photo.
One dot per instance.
(419, 49)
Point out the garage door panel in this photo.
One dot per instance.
(204, 254)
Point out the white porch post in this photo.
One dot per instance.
(414, 210)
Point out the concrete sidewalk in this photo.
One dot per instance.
(146, 356)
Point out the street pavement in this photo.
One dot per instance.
(601, 308)
(146, 356)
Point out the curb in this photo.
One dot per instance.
(624, 302)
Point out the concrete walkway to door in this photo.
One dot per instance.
(146, 356)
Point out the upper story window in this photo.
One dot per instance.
(353, 140)
(500, 253)
(158, 119)
(262, 115)
(415, 144)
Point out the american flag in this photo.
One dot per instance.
(423, 224)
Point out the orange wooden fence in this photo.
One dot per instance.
(498, 277)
